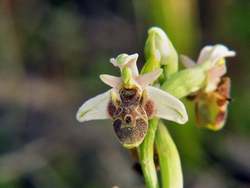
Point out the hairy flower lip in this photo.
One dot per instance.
(215, 103)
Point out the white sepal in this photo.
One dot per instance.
(167, 106)
(214, 53)
(94, 108)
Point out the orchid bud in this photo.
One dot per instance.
(159, 48)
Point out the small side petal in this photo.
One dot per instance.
(187, 62)
(148, 78)
(167, 106)
(94, 108)
(112, 81)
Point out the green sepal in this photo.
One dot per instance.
(185, 82)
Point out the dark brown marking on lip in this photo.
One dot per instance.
(118, 111)
(130, 96)
(149, 107)
(128, 119)
(111, 109)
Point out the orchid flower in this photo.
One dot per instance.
(131, 102)
(214, 58)
(212, 100)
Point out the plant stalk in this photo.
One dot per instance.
(170, 165)
(146, 156)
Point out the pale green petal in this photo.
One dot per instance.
(160, 50)
(94, 108)
(167, 106)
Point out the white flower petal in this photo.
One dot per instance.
(214, 54)
(112, 81)
(187, 62)
(148, 78)
(94, 108)
(167, 106)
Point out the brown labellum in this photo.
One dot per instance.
(130, 117)
(211, 108)
(223, 97)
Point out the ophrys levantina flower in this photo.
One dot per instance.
(131, 102)
(211, 101)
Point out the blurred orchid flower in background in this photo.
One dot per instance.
(211, 101)
(131, 102)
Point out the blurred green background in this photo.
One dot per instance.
(51, 54)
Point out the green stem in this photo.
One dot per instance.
(171, 172)
(146, 155)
